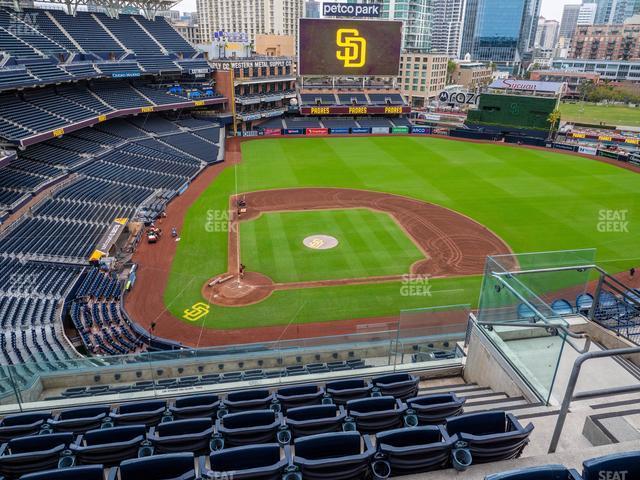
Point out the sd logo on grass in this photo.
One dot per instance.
(354, 51)
(196, 312)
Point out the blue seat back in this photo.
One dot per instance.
(183, 427)
(247, 395)
(196, 400)
(253, 418)
(328, 445)
(313, 412)
(24, 419)
(295, 390)
(618, 466)
(141, 407)
(84, 412)
(544, 472)
(39, 443)
(114, 435)
(372, 404)
(87, 472)
(483, 423)
(159, 467)
(409, 437)
(244, 458)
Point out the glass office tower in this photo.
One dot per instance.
(500, 32)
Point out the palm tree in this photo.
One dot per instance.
(554, 121)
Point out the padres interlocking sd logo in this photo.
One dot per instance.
(354, 48)
(316, 243)
(196, 312)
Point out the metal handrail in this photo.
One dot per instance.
(546, 326)
(573, 380)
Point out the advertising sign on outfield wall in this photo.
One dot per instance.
(360, 130)
(379, 129)
(272, 131)
(317, 131)
(339, 131)
(440, 131)
(293, 131)
(587, 150)
(400, 130)
(607, 154)
(564, 146)
(420, 130)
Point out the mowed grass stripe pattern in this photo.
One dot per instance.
(370, 244)
(535, 200)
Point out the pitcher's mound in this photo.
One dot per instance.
(236, 292)
(320, 242)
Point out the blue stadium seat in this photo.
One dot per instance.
(31, 454)
(245, 428)
(79, 420)
(299, 396)
(612, 467)
(191, 435)
(545, 472)
(341, 391)
(561, 307)
(584, 301)
(148, 412)
(375, 414)
(195, 406)
(249, 400)
(315, 419)
(252, 462)
(172, 466)
(490, 436)
(22, 424)
(398, 385)
(525, 312)
(85, 472)
(414, 450)
(109, 446)
(333, 456)
(435, 409)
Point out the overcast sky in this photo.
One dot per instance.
(550, 8)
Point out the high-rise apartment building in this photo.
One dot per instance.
(448, 22)
(569, 20)
(249, 16)
(606, 42)
(587, 15)
(547, 34)
(416, 16)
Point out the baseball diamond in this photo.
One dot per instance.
(404, 210)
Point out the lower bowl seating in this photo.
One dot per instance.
(254, 462)
(341, 391)
(244, 428)
(398, 385)
(315, 419)
(489, 436)
(109, 446)
(30, 454)
(333, 456)
(375, 414)
(435, 409)
(414, 450)
(191, 435)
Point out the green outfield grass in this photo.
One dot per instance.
(591, 113)
(370, 244)
(534, 200)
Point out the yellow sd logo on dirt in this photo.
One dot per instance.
(354, 48)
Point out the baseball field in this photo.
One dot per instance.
(405, 212)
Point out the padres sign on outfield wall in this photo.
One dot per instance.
(349, 47)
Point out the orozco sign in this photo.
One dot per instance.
(461, 98)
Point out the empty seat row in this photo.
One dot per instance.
(244, 442)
